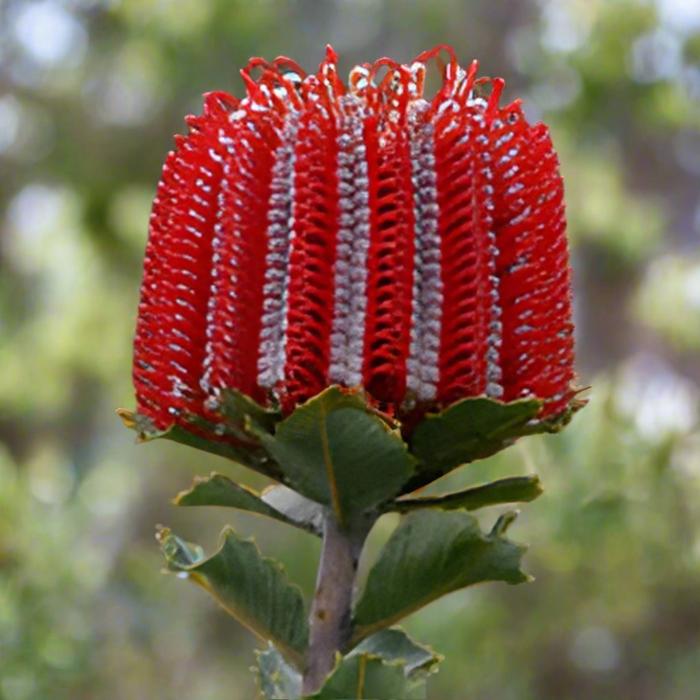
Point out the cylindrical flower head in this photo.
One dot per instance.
(360, 234)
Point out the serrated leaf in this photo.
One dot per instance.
(432, 553)
(252, 588)
(514, 489)
(277, 679)
(369, 677)
(470, 429)
(335, 451)
(249, 454)
(556, 423)
(276, 502)
(394, 645)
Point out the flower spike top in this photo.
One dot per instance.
(318, 232)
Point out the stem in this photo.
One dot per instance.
(329, 621)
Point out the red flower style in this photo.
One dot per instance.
(317, 233)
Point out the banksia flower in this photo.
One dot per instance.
(360, 234)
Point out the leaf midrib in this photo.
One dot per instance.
(328, 464)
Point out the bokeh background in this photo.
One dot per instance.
(90, 94)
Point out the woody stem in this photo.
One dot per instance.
(329, 620)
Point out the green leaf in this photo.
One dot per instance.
(240, 409)
(250, 587)
(432, 553)
(369, 677)
(277, 679)
(394, 645)
(250, 453)
(276, 502)
(470, 429)
(511, 490)
(251, 456)
(334, 450)
(386, 657)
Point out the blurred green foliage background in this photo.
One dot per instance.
(90, 93)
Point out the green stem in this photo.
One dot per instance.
(329, 621)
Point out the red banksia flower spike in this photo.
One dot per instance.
(354, 287)
(318, 232)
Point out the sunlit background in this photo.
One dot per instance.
(90, 95)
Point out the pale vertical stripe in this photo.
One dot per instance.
(494, 374)
(350, 295)
(426, 315)
(273, 333)
(227, 142)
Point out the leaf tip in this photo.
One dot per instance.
(128, 418)
(162, 534)
(537, 486)
(504, 522)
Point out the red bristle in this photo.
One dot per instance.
(390, 268)
(236, 313)
(315, 211)
(463, 225)
(533, 265)
(171, 329)
(149, 374)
